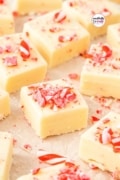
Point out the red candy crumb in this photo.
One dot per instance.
(10, 61)
(59, 17)
(24, 50)
(74, 76)
(27, 147)
(35, 171)
(94, 119)
(1, 1)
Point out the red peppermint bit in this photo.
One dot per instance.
(106, 120)
(15, 13)
(24, 50)
(10, 61)
(28, 147)
(74, 76)
(55, 29)
(93, 167)
(59, 17)
(14, 141)
(35, 171)
(94, 118)
(107, 51)
(106, 136)
(116, 149)
(99, 111)
(8, 49)
(72, 3)
(106, 12)
(1, 1)
(67, 38)
(116, 141)
(71, 173)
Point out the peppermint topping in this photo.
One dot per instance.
(108, 136)
(59, 17)
(52, 96)
(24, 50)
(67, 38)
(99, 53)
(1, 1)
(10, 61)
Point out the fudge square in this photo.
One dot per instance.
(84, 12)
(57, 37)
(7, 25)
(59, 168)
(54, 107)
(4, 104)
(6, 151)
(100, 75)
(20, 64)
(30, 6)
(113, 35)
(100, 144)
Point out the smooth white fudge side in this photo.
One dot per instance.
(29, 6)
(54, 107)
(113, 35)
(100, 75)
(100, 144)
(57, 37)
(5, 108)
(6, 152)
(7, 24)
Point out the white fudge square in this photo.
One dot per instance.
(100, 144)
(113, 35)
(54, 107)
(21, 64)
(84, 12)
(6, 152)
(7, 25)
(100, 73)
(57, 37)
(5, 108)
(29, 6)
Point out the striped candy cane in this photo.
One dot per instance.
(50, 158)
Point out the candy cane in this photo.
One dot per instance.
(50, 158)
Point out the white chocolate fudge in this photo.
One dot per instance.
(57, 37)
(113, 35)
(54, 107)
(7, 25)
(21, 64)
(100, 144)
(6, 151)
(100, 75)
(84, 11)
(62, 171)
(4, 104)
(30, 6)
